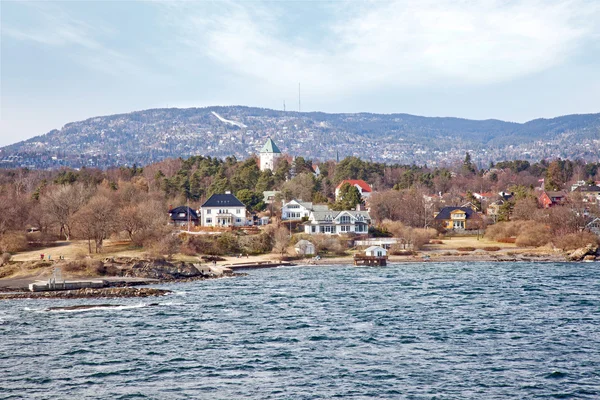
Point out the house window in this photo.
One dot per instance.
(237, 211)
(345, 219)
(209, 220)
(322, 229)
(345, 228)
(313, 228)
(328, 229)
(208, 211)
(238, 220)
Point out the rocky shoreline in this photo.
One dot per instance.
(104, 293)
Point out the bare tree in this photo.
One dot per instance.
(62, 203)
(96, 221)
(281, 241)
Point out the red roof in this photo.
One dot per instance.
(363, 185)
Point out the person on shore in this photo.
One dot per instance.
(42, 256)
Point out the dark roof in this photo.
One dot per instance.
(223, 200)
(183, 209)
(591, 188)
(445, 212)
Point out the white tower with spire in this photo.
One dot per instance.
(268, 155)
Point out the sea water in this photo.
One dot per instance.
(416, 331)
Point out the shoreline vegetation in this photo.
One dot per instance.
(119, 225)
(121, 270)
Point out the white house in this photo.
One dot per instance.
(337, 222)
(594, 226)
(305, 248)
(298, 209)
(363, 188)
(375, 251)
(223, 210)
(268, 155)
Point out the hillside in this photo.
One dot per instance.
(147, 136)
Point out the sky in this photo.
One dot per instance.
(513, 60)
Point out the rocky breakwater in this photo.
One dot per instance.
(590, 252)
(164, 270)
(107, 293)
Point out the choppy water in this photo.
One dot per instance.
(418, 331)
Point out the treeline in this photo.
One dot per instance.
(133, 201)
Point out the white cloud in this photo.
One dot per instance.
(412, 42)
(55, 27)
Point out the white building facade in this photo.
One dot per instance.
(223, 210)
(337, 222)
(268, 155)
(298, 209)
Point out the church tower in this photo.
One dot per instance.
(268, 154)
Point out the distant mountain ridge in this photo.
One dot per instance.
(148, 136)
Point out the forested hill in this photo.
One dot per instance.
(147, 136)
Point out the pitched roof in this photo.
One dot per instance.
(223, 200)
(555, 194)
(332, 214)
(270, 147)
(174, 212)
(590, 188)
(363, 185)
(445, 212)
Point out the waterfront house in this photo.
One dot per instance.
(298, 209)
(184, 215)
(337, 222)
(458, 218)
(375, 251)
(223, 210)
(305, 248)
(363, 187)
(549, 198)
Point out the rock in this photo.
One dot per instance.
(580, 254)
(589, 257)
(88, 293)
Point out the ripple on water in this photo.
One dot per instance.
(452, 330)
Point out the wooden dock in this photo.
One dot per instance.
(373, 261)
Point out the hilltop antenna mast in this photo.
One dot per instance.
(284, 106)
(299, 104)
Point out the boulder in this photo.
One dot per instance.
(581, 253)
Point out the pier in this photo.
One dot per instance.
(373, 261)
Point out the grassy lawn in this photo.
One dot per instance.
(452, 243)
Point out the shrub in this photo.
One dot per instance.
(4, 258)
(466, 249)
(574, 241)
(397, 250)
(13, 242)
(506, 240)
(256, 244)
(7, 270)
(491, 248)
(533, 234)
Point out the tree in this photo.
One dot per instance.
(281, 241)
(301, 187)
(252, 200)
(62, 203)
(96, 221)
(468, 168)
(348, 198)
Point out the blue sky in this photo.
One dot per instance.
(507, 59)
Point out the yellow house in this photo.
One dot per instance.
(457, 218)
